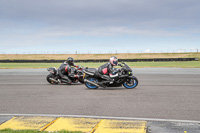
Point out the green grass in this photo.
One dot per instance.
(27, 65)
(41, 65)
(185, 64)
(34, 131)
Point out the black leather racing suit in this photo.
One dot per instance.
(65, 72)
(106, 70)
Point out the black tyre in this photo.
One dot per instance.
(81, 81)
(131, 83)
(90, 86)
(51, 76)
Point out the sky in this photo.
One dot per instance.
(99, 26)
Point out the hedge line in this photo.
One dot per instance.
(101, 60)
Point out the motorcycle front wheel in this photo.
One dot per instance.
(131, 83)
(51, 76)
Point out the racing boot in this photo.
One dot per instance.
(66, 79)
(74, 77)
(102, 84)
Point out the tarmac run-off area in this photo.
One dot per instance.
(166, 100)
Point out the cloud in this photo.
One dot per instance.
(93, 13)
(40, 22)
(147, 51)
(181, 51)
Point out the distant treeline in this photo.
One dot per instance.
(101, 60)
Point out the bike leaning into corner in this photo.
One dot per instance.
(55, 78)
(124, 76)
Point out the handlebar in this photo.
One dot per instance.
(120, 65)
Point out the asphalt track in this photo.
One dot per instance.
(162, 93)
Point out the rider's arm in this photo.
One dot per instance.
(111, 70)
(76, 66)
(120, 65)
(61, 69)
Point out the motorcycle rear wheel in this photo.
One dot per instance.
(51, 76)
(90, 86)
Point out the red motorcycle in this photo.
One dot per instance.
(54, 78)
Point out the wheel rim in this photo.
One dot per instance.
(131, 84)
(90, 85)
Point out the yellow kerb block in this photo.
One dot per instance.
(121, 126)
(21, 123)
(73, 124)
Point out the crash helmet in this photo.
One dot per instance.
(70, 61)
(113, 60)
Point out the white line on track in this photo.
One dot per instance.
(104, 117)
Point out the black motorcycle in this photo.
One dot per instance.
(54, 78)
(123, 76)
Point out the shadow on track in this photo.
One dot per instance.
(110, 88)
(66, 84)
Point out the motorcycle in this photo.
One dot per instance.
(54, 78)
(123, 76)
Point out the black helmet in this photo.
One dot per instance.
(70, 61)
(113, 60)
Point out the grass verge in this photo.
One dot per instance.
(35, 131)
(185, 64)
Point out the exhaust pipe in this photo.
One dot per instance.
(53, 80)
(87, 81)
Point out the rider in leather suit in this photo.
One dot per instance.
(107, 71)
(65, 72)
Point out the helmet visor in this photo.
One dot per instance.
(115, 62)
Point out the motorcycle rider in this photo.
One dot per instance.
(107, 71)
(65, 71)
